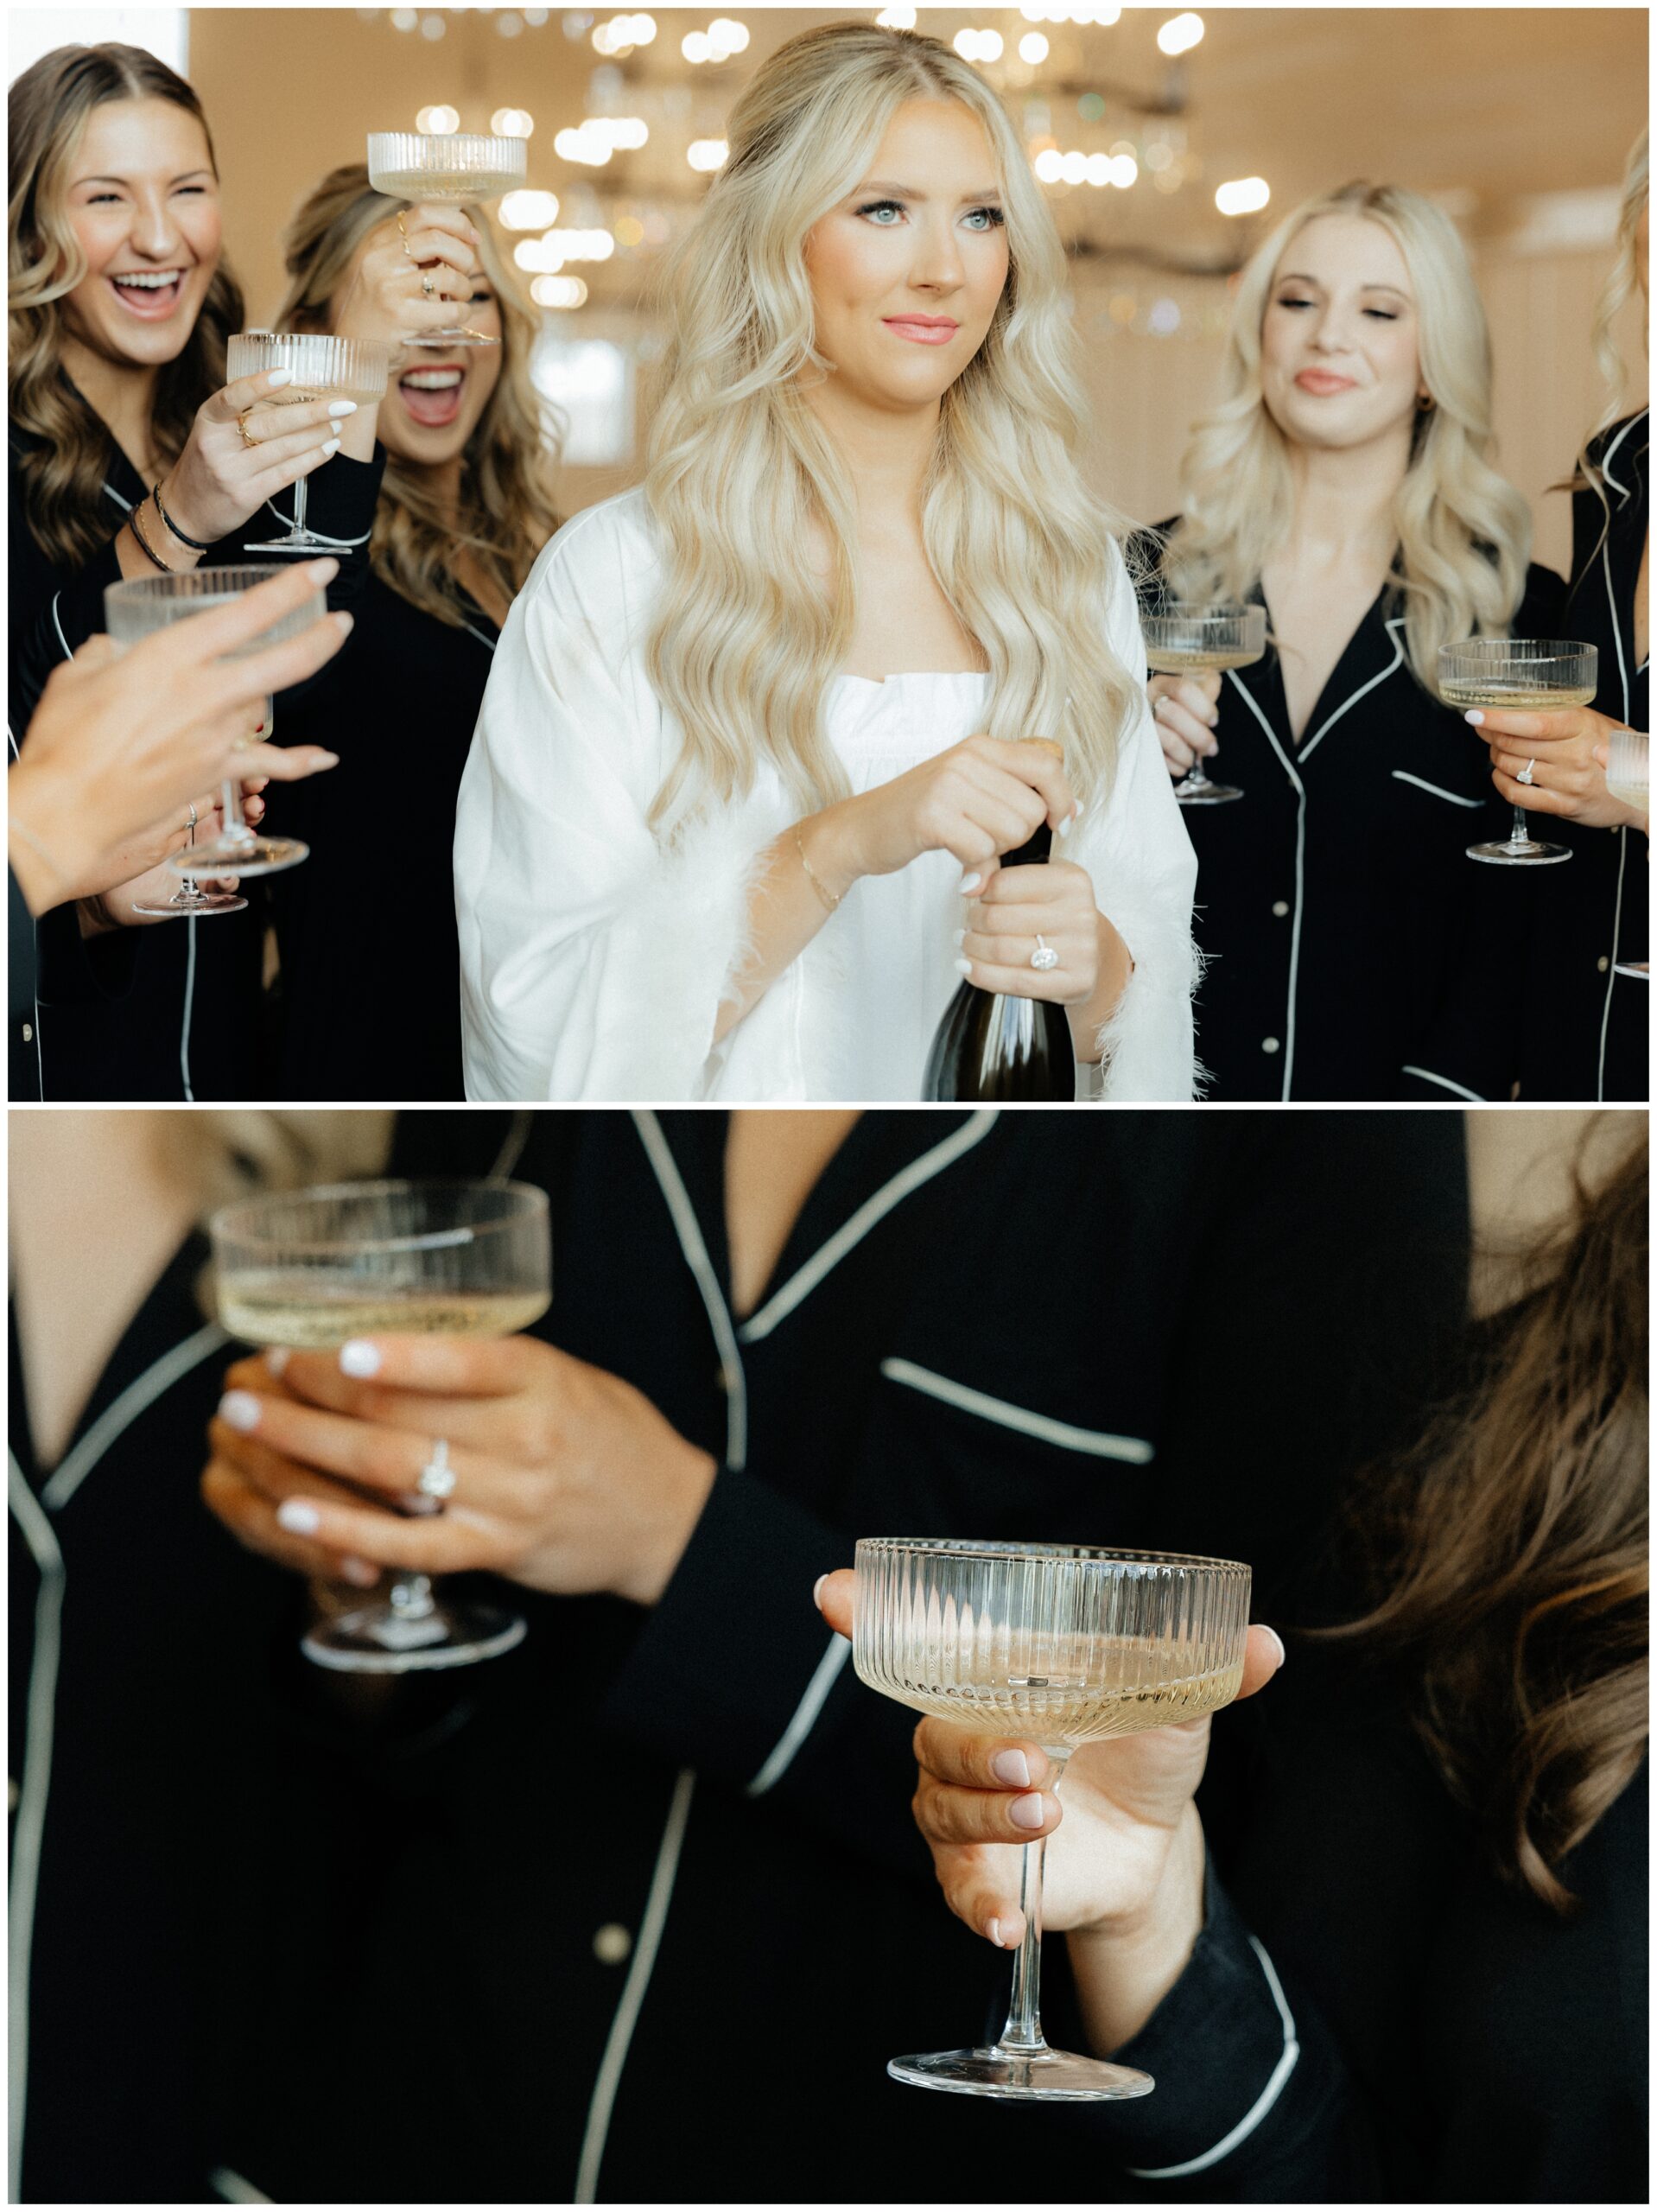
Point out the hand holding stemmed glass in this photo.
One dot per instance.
(1195, 639)
(1514, 686)
(1123, 1872)
(316, 369)
(1068, 1644)
(445, 170)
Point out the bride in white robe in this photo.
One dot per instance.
(737, 943)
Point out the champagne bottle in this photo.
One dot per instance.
(993, 1048)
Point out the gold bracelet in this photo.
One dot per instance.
(830, 898)
(150, 550)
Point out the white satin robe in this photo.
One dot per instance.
(592, 959)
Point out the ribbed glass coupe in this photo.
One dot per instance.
(1063, 1644)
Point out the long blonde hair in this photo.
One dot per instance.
(1618, 284)
(507, 512)
(1463, 532)
(67, 453)
(744, 643)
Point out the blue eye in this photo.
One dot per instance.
(881, 207)
(993, 217)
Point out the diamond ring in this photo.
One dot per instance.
(1044, 957)
(1527, 774)
(436, 1478)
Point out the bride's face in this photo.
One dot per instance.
(907, 271)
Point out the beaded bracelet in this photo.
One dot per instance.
(150, 553)
(195, 544)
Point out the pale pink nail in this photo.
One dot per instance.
(993, 1929)
(1011, 1767)
(969, 883)
(1027, 1812)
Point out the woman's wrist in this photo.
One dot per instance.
(828, 848)
(1115, 968)
(1123, 1968)
(50, 855)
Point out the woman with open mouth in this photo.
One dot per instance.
(128, 456)
(752, 754)
(1343, 481)
(366, 1003)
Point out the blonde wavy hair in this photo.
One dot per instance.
(741, 474)
(1463, 532)
(507, 512)
(66, 455)
(1614, 293)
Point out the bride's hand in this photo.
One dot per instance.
(979, 799)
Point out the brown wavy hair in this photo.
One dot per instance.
(1520, 1609)
(507, 512)
(66, 455)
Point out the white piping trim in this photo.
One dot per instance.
(511, 1150)
(1392, 629)
(234, 2190)
(189, 1005)
(1605, 464)
(713, 1298)
(1264, 720)
(1444, 1083)
(29, 1827)
(806, 1279)
(805, 1716)
(72, 1470)
(1622, 834)
(632, 1995)
(1262, 2104)
(478, 635)
(58, 626)
(109, 493)
(1403, 776)
(1102, 1445)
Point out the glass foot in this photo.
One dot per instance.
(378, 1640)
(252, 856)
(1518, 852)
(1057, 2076)
(1205, 794)
(195, 902)
(298, 540)
(1636, 968)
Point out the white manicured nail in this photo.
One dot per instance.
(959, 937)
(297, 1518)
(963, 967)
(968, 883)
(1013, 1768)
(241, 1409)
(1281, 1654)
(1027, 1812)
(360, 1358)
(337, 407)
(1064, 826)
(279, 377)
(1474, 716)
(276, 1359)
(332, 447)
(817, 1589)
(993, 1929)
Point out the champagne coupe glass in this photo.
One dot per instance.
(190, 898)
(1188, 638)
(323, 367)
(132, 610)
(311, 1268)
(411, 166)
(1064, 1643)
(1629, 778)
(1536, 676)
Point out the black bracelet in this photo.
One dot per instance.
(150, 553)
(195, 544)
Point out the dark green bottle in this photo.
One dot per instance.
(997, 1049)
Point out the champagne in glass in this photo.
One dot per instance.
(1190, 637)
(324, 368)
(310, 1269)
(1530, 676)
(142, 604)
(458, 165)
(1627, 777)
(1065, 1645)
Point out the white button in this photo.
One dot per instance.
(1604, 963)
(1279, 907)
(612, 1943)
(29, 1029)
(1268, 1044)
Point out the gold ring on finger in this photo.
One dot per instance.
(406, 248)
(248, 439)
(427, 283)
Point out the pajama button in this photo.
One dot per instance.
(1604, 963)
(612, 1943)
(1279, 907)
(1268, 1044)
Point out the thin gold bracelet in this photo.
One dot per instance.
(150, 550)
(830, 898)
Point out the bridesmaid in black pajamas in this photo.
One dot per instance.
(1354, 951)
(126, 457)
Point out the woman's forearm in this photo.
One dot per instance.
(1115, 966)
(803, 877)
(1122, 1975)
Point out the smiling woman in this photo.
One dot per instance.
(754, 732)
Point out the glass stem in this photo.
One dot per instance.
(1023, 2030)
(302, 491)
(411, 1597)
(1520, 829)
(236, 827)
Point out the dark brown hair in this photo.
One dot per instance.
(1516, 1544)
(64, 460)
